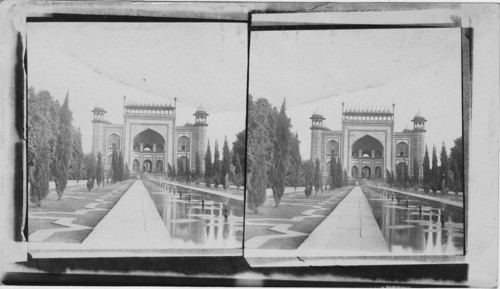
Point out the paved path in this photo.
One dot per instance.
(351, 229)
(435, 199)
(208, 191)
(134, 222)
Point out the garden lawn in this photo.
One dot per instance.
(320, 205)
(74, 200)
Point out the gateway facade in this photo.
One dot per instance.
(367, 145)
(149, 138)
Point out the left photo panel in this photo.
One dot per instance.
(136, 138)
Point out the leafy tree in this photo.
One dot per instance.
(444, 169)
(99, 169)
(197, 166)
(280, 148)
(208, 166)
(257, 176)
(457, 179)
(427, 175)
(64, 147)
(317, 176)
(226, 164)
(90, 166)
(40, 171)
(435, 171)
(115, 165)
(217, 170)
(120, 167)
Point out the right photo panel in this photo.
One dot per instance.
(355, 143)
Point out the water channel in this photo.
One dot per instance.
(196, 219)
(414, 225)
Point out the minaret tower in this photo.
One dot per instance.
(316, 134)
(98, 137)
(200, 137)
(419, 122)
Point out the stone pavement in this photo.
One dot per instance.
(134, 222)
(220, 193)
(426, 197)
(351, 229)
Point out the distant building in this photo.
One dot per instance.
(149, 138)
(367, 145)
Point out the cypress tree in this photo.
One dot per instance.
(217, 166)
(435, 178)
(444, 168)
(238, 173)
(416, 172)
(309, 178)
(257, 176)
(226, 164)
(426, 171)
(208, 166)
(64, 147)
(40, 171)
(120, 167)
(77, 157)
(280, 147)
(295, 160)
(197, 166)
(333, 174)
(91, 170)
(126, 172)
(115, 165)
(99, 169)
(317, 176)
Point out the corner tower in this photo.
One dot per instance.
(317, 130)
(98, 136)
(200, 133)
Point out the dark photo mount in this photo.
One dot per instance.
(226, 271)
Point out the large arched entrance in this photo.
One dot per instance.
(149, 141)
(367, 153)
(147, 166)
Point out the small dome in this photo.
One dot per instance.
(407, 127)
(200, 109)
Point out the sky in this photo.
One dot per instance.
(416, 69)
(99, 63)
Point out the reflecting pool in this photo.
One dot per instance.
(198, 219)
(413, 225)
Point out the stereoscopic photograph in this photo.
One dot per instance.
(136, 138)
(355, 143)
(257, 144)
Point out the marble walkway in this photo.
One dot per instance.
(133, 222)
(351, 229)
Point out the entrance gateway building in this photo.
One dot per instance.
(367, 145)
(149, 138)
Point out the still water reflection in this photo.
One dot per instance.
(414, 225)
(199, 220)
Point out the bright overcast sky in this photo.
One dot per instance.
(417, 69)
(99, 63)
